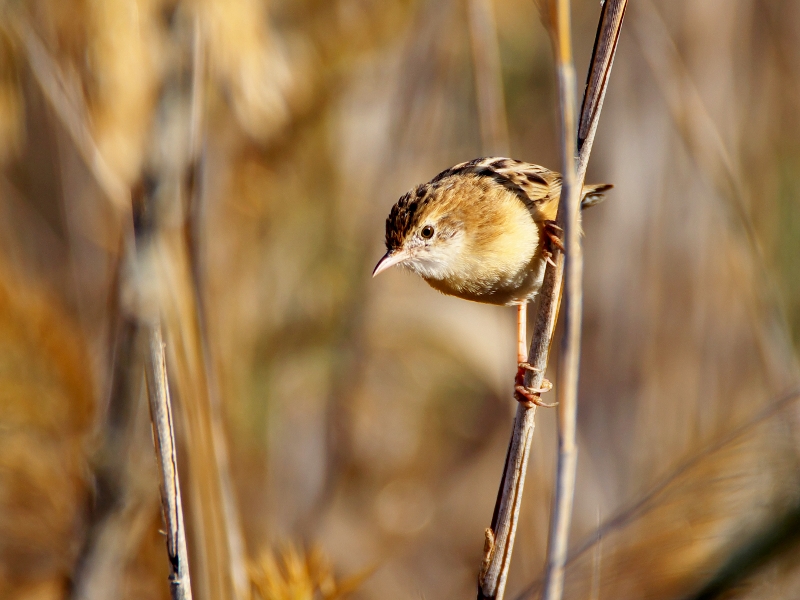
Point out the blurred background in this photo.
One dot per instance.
(340, 435)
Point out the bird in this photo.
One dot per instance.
(483, 230)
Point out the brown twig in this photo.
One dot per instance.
(500, 538)
(164, 438)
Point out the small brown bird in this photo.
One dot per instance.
(481, 231)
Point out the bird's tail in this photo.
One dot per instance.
(594, 193)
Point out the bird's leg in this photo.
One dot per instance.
(522, 350)
(552, 239)
(526, 395)
(522, 324)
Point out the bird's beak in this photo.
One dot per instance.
(390, 259)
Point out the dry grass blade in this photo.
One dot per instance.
(164, 437)
(500, 538)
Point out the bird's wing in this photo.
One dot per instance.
(538, 188)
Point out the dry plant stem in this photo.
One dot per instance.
(497, 557)
(233, 528)
(164, 438)
(73, 117)
(67, 106)
(500, 538)
(569, 360)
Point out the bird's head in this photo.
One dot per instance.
(425, 232)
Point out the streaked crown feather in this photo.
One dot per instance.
(531, 183)
(535, 186)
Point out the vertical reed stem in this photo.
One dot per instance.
(500, 537)
(164, 438)
(569, 355)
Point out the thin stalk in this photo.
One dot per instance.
(164, 438)
(193, 224)
(500, 537)
(220, 563)
(569, 358)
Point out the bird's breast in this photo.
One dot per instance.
(500, 260)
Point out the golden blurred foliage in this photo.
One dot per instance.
(46, 413)
(293, 574)
(229, 165)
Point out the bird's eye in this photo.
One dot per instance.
(427, 232)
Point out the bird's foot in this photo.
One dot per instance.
(519, 379)
(529, 396)
(552, 239)
(526, 366)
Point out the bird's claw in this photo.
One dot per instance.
(530, 396)
(520, 377)
(553, 234)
